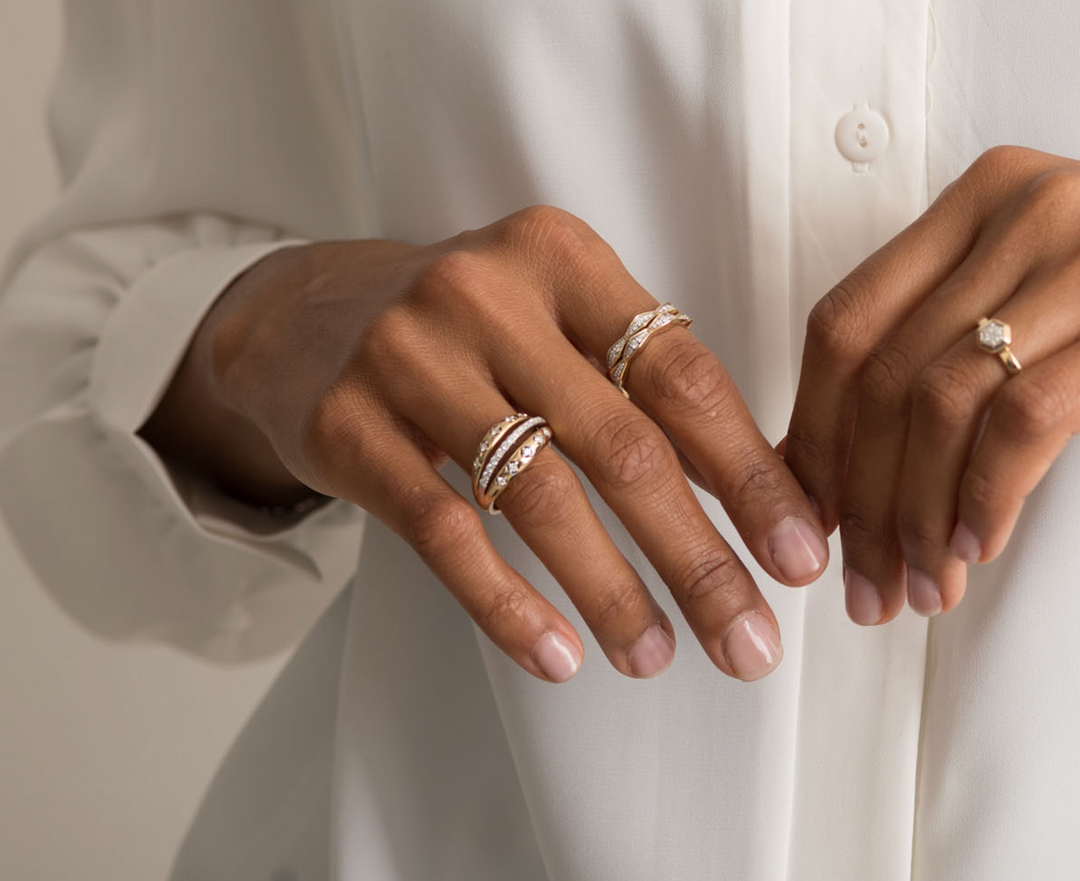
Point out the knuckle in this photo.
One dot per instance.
(441, 527)
(1029, 407)
(915, 536)
(540, 496)
(758, 481)
(454, 274)
(996, 162)
(334, 423)
(885, 381)
(860, 531)
(806, 452)
(385, 335)
(691, 376)
(505, 608)
(611, 605)
(628, 450)
(944, 396)
(713, 575)
(545, 229)
(836, 323)
(1055, 194)
(977, 490)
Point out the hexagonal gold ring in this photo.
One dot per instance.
(994, 337)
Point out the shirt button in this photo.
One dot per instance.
(862, 135)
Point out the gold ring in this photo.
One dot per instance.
(643, 326)
(507, 449)
(994, 337)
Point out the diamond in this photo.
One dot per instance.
(617, 373)
(526, 451)
(500, 480)
(634, 342)
(615, 351)
(661, 320)
(639, 321)
(993, 335)
(513, 467)
(507, 443)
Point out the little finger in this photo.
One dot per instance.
(1030, 421)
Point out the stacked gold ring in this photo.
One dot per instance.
(994, 337)
(641, 328)
(507, 449)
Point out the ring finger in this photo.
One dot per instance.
(945, 422)
(547, 506)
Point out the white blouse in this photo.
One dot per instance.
(741, 157)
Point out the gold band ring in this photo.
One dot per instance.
(994, 337)
(507, 449)
(643, 326)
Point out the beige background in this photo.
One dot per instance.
(105, 750)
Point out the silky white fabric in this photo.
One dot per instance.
(699, 138)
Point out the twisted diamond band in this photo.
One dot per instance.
(641, 328)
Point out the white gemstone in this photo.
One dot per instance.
(635, 341)
(992, 335)
(483, 446)
(619, 371)
(512, 468)
(500, 480)
(507, 444)
(640, 320)
(526, 451)
(661, 320)
(615, 351)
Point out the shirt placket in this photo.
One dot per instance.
(858, 176)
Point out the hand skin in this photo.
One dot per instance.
(918, 444)
(355, 369)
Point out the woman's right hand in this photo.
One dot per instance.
(355, 368)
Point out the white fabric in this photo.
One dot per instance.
(700, 140)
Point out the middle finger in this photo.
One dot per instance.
(635, 469)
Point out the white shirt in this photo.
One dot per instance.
(717, 146)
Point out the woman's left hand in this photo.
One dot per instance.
(919, 444)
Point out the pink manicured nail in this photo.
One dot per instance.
(924, 596)
(652, 653)
(556, 656)
(752, 647)
(796, 549)
(862, 598)
(964, 545)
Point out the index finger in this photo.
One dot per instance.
(847, 325)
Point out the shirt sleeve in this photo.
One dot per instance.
(193, 138)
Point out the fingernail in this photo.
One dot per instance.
(556, 657)
(796, 549)
(652, 653)
(924, 596)
(964, 545)
(752, 647)
(862, 598)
